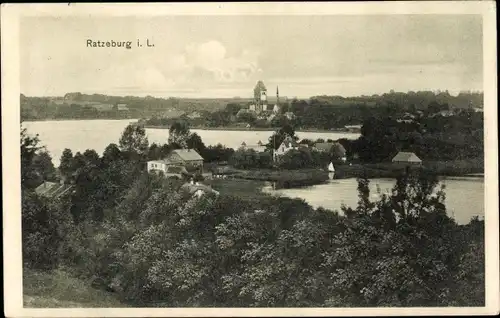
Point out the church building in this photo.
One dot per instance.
(260, 102)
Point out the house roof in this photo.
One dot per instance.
(53, 190)
(327, 146)
(188, 154)
(192, 188)
(289, 142)
(406, 157)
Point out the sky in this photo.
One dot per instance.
(225, 56)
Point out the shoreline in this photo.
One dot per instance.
(73, 119)
(271, 129)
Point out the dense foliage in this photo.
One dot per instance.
(431, 138)
(141, 237)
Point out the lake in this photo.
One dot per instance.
(464, 196)
(80, 135)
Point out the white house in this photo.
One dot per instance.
(259, 147)
(196, 189)
(157, 165)
(122, 107)
(290, 115)
(287, 145)
(177, 162)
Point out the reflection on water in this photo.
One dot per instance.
(464, 197)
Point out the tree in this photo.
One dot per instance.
(194, 142)
(179, 133)
(154, 152)
(400, 251)
(337, 152)
(44, 229)
(66, 164)
(279, 136)
(42, 163)
(247, 117)
(233, 108)
(29, 147)
(134, 140)
(111, 153)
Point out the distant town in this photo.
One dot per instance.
(264, 110)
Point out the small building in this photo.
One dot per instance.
(406, 158)
(287, 145)
(196, 189)
(323, 146)
(122, 107)
(188, 159)
(335, 148)
(102, 107)
(194, 115)
(353, 128)
(167, 169)
(54, 190)
(259, 147)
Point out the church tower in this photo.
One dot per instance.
(260, 97)
(276, 108)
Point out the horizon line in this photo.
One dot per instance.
(437, 91)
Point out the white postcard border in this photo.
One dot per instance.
(10, 15)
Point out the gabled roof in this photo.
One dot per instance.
(289, 142)
(53, 190)
(188, 154)
(403, 156)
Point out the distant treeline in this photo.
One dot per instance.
(332, 112)
(323, 112)
(98, 106)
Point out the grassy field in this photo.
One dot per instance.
(59, 289)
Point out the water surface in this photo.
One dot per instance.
(464, 197)
(80, 135)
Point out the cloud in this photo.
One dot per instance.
(209, 61)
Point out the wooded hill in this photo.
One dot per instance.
(98, 106)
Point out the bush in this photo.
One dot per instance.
(45, 231)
